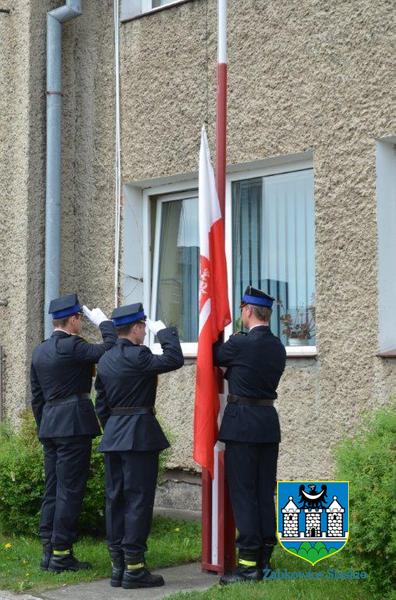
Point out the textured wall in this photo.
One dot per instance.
(21, 190)
(88, 159)
(302, 76)
(88, 176)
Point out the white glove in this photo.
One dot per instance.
(96, 316)
(155, 326)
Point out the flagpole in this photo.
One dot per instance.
(218, 529)
(225, 523)
(221, 104)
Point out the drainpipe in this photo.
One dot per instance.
(55, 18)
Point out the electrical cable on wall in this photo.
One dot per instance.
(117, 220)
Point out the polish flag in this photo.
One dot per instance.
(214, 311)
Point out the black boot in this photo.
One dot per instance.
(136, 575)
(47, 549)
(265, 558)
(248, 570)
(64, 560)
(117, 567)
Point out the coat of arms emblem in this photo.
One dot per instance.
(313, 518)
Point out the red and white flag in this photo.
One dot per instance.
(214, 311)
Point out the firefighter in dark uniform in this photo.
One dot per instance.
(126, 386)
(61, 379)
(250, 429)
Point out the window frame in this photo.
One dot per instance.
(189, 348)
(135, 9)
(147, 6)
(185, 189)
(238, 173)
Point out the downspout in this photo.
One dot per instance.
(55, 18)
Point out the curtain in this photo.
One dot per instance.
(177, 285)
(273, 249)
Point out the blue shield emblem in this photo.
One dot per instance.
(313, 518)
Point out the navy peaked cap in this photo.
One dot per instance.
(129, 313)
(257, 297)
(65, 306)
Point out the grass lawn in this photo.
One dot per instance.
(171, 542)
(294, 589)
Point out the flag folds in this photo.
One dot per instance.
(214, 312)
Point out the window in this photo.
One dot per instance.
(176, 263)
(157, 3)
(269, 244)
(386, 220)
(273, 250)
(134, 8)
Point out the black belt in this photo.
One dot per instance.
(234, 399)
(69, 400)
(132, 410)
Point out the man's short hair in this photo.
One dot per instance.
(263, 313)
(61, 322)
(124, 330)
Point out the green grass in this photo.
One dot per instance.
(170, 543)
(295, 589)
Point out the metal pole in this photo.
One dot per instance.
(226, 527)
(218, 532)
(221, 104)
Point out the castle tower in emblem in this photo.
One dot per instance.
(290, 514)
(335, 515)
(312, 522)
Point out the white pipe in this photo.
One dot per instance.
(117, 231)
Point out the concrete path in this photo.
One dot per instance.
(185, 578)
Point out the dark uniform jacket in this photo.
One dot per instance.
(127, 376)
(61, 370)
(255, 364)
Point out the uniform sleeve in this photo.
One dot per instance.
(101, 407)
(171, 359)
(86, 352)
(37, 396)
(224, 354)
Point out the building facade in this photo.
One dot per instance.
(310, 206)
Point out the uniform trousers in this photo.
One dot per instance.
(251, 477)
(66, 466)
(131, 479)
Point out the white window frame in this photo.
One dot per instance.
(240, 173)
(386, 213)
(130, 9)
(185, 189)
(147, 5)
(189, 348)
(173, 191)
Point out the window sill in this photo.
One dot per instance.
(301, 352)
(387, 354)
(152, 11)
(190, 351)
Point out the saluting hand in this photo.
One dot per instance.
(96, 315)
(155, 326)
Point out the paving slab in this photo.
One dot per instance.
(184, 578)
